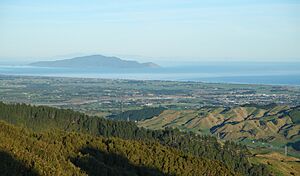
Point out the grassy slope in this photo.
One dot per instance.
(264, 123)
(280, 164)
(272, 124)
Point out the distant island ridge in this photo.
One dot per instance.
(95, 61)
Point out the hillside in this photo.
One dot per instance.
(42, 118)
(274, 123)
(61, 153)
(95, 61)
(280, 164)
(140, 114)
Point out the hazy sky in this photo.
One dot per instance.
(158, 30)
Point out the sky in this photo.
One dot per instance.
(151, 30)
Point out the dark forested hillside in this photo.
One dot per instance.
(64, 153)
(42, 118)
(140, 114)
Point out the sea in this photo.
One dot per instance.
(279, 73)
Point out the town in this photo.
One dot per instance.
(105, 96)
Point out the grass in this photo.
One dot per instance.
(280, 164)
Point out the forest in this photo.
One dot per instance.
(47, 120)
(67, 153)
(139, 114)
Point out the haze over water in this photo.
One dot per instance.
(245, 41)
(254, 73)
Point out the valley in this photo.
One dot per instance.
(199, 119)
(150, 88)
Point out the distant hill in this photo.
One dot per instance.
(95, 61)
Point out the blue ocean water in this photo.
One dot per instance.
(254, 73)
